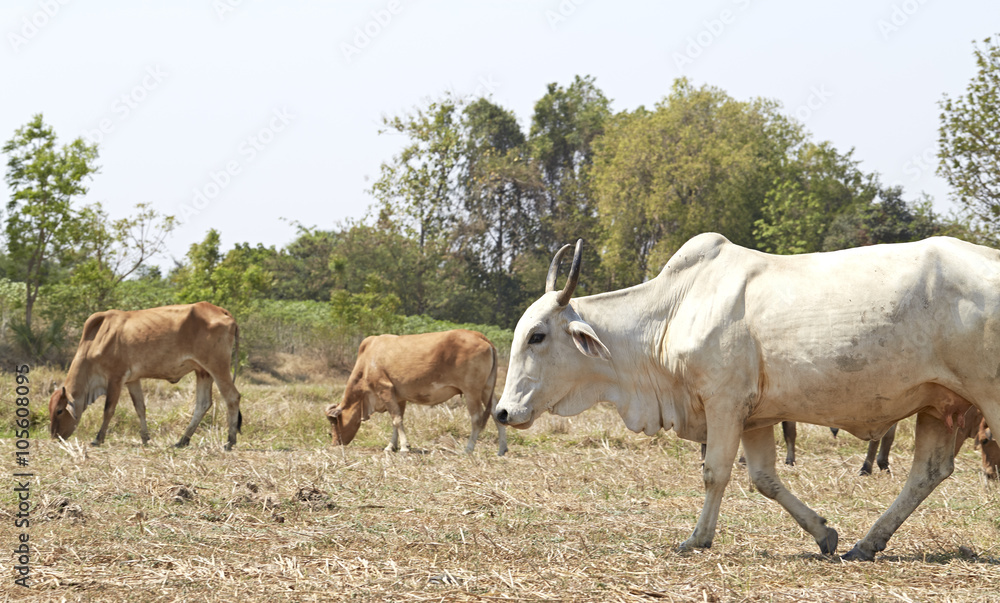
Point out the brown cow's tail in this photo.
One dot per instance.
(236, 351)
(491, 383)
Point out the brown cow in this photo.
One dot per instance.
(120, 348)
(990, 449)
(429, 368)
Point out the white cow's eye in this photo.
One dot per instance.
(536, 338)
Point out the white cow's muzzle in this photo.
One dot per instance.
(513, 414)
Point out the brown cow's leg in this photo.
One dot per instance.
(758, 446)
(723, 442)
(202, 402)
(135, 391)
(866, 466)
(885, 445)
(396, 411)
(933, 461)
(231, 395)
(110, 403)
(479, 412)
(789, 431)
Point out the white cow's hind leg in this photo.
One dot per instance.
(758, 446)
(933, 461)
(723, 442)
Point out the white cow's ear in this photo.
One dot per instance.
(586, 340)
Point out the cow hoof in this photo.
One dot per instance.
(689, 546)
(790, 463)
(866, 469)
(829, 544)
(229, 446)
(95, 443)
(856, 554)
(182, 443)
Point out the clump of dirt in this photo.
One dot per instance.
(180, 493)
(314, 499)
(63, 508)
(251, 496)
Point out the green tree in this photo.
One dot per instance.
(564, 125)
(106, 252)
(302, 269)
(419, 186)
(815, 186)
(234, 281)
(701, 161)
(501, 192)
(969, 139)
(889, 219)
(41, 221)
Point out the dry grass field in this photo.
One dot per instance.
(579, 510)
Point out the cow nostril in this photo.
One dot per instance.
(502, 416)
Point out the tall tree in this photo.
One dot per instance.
(888, 219)
(235, 280)
(969, 139)
(41, 221)
(104, 253)
(816, 185)
(565, 123)
(701, 161)
(501, 190)
(419, 186)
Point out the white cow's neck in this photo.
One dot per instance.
(632, 323)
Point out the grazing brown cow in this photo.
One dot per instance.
(120, 348)
(990, 449)
(429, 368)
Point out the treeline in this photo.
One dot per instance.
(466, 216)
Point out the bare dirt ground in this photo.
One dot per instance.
(579, 510)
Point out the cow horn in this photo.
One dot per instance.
(574, 276)
(550, 280)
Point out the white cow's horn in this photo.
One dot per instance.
(574, 276)
(550, 280)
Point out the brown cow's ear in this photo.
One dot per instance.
(333, 412)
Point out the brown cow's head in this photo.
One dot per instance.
(345, 419)
(62, 415)
(991, 451)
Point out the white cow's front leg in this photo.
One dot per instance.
(758, 445)
(933, 461)
(720, 452)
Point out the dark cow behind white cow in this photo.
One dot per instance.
(726, 342)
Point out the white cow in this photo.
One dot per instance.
(725, 342)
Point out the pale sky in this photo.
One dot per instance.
(271, 110)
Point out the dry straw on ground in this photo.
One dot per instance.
(579, 510)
